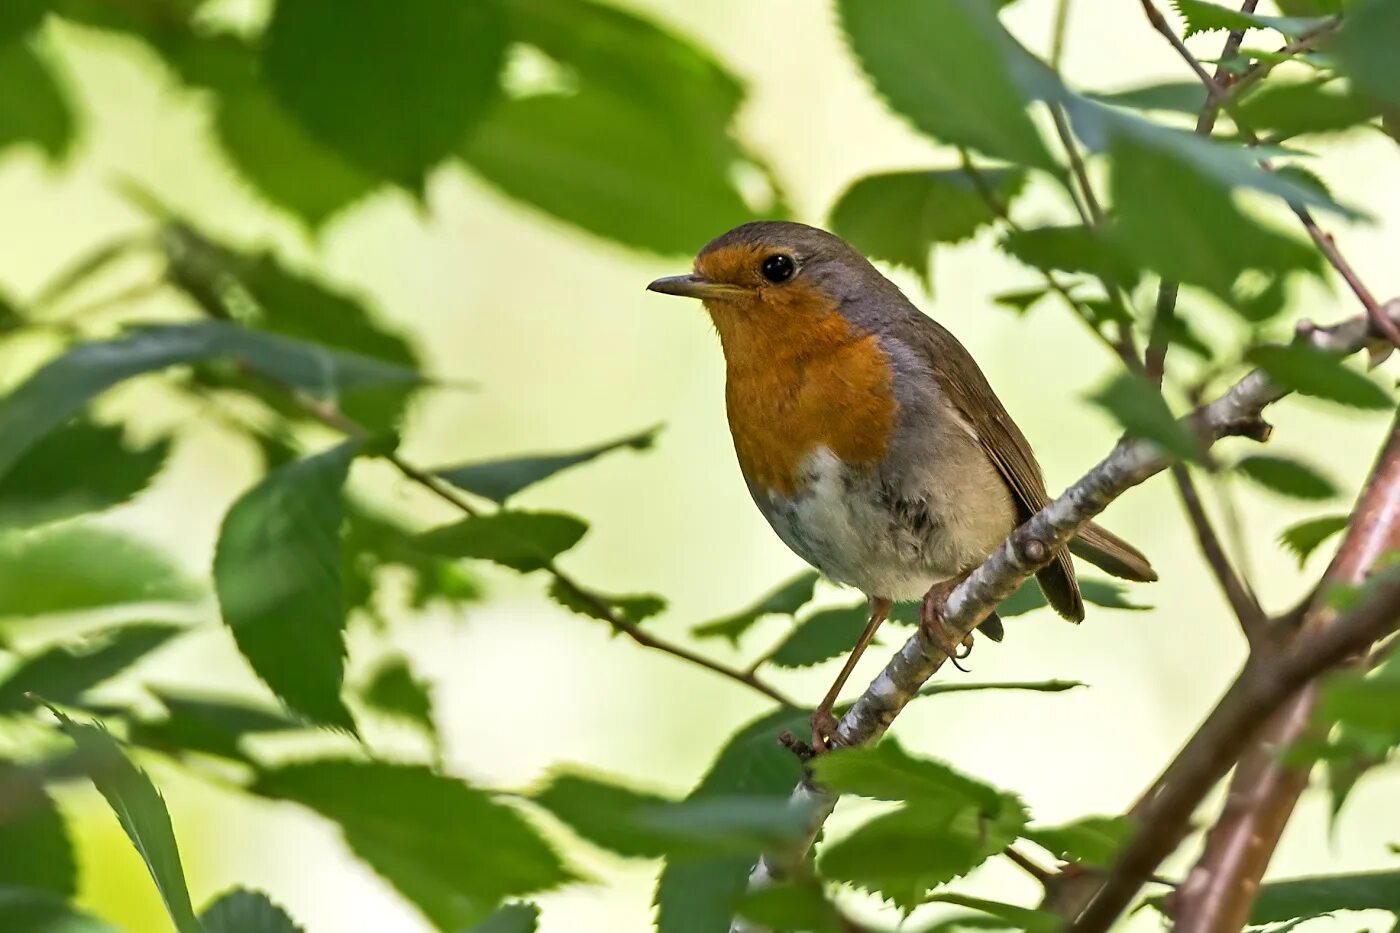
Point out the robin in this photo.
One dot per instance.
(868, 436)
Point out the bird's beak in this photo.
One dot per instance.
(693, 286)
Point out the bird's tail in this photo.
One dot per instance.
(1111, 554)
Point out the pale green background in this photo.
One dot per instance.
(568, 349)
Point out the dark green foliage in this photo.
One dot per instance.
(1070, 249)
(1365, 49)
(1204, 16)
(634, 608)
(1142, 412)
(513, 918)
(523, 541)
(785, 600)
(277, 571)
(40, 115)
(498, 480)
(1305, 537)
(27, 911)
(63, 674)
(1109, 594)
(243, 911)
(1180, 96)
(35, 851)
(1287, 477)
(1093, 840)
(899, 216)
(1307, 370)
(1312, 897)
(793, 906)
(19, 17)
(823, 635)
(447, 847)
(1295, 108)
(394, 691)
(207, 725)
(1013, 917)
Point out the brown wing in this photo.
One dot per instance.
(961, 379)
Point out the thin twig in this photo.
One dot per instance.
(1028, 865)
(1251, 616)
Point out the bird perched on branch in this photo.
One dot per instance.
(869, 438)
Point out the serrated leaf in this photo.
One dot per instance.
(244, 911)
(1297, 107)
(899, 216)
(512, 918)
(33, 106)
(1287, 477)
(884, 771)
(63, 386)
(422, 73)
(73, 568)
(394, 691)
(35, 851)
(635, 607)
(1202, 16)
(449, 848)
(1093, 840)
(1364, 49)
(28, 911)
(785, 600)
(821, 636)
(207, 725)
(954, 71)
(523, 541)
(62, 674)
(498, 480)
(1070, 249)
(277, 573)
(54, 479)
(141, 812)
(1020, 918)
(700, 895)
(1309, 897)
(1309, 371)
(1305, 537)
(1140, 410)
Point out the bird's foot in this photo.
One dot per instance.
(931, 620)
(824, 737)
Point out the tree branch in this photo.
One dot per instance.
(1031, 547)
(1250, 614)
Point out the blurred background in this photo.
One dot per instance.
(563, 347)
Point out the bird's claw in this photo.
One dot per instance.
(824, 736)
(931, 621)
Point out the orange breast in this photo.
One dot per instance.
(799, 378)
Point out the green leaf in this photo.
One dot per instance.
(35, 851)
(244, 911)
(33, 106)
(435, 65)
(1307, 370)
(1093, 840)
(899, 216)
(277, 572)
(1287, 477)
(954, 71)
(1140, 410)
(512, 918)
(207, 725)
(640, 111)
(1297, 107)
(374, 540)
(72, 568)
(884, 771)
(785, 600)
(1309, 897)
(20, 17)
(792, 906)
(1020, 918)
(1369, 702)
(1070, 249)
(62, 674)
(1020, 301)
(1109, 594)
(700, 895)
(27, 911)
(822, 635)
(1305, 537)
(54, 479)
(1202, 16)
(636, 607)
(63, 386)
(447, 847)
(523, 541)
(394, 691)
(141, 812)
(1364, 49)
(498, 480)
(1035, 686)
(1180, 96)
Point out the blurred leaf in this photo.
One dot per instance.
(68, 568)
(1305, 537)
(27, 911)
(785, 600)
(523, 541)
(35, 851)
(421, 73)
(1110, 594)
(277, 572)
(447, 847)
(33, 106)
(634, 608)
(1020, 301)
(20, 17)
(821, 636)
(1287, 477)
(1364, 49)
(1071, 249)
(1140, 410)
(636, 148)
(1180, 96)
(512, 918)
(394, 691)
(208, 725)
(700, 895)
(898, 217)
(373, 540)
(498, 480)
(62, 674)
(244, 911)
(1202, 16)
(54, 479)
(1308, 897)
(1297, 107)
(789, 905)
(954, 71)
(884, 771)
(1020, 918)
(1307, 370)
(1368, 701)
(64, 385)
(1261, 304)
(1093, 840)
(140, 810)
(606, 814)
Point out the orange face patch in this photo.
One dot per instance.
(799, 377)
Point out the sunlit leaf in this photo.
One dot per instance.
(244, 911)
(278, 575)
(1305, 537)
(1287, 477)
(62, 674)
(498, 480)
(1309, 371)
(35, 851)
(785, 600)
(1140, 410)
(523, 541)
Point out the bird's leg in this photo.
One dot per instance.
(931, 620)
(823, 723)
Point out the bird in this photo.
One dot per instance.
(867, 435)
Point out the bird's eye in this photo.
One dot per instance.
(778, 268)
